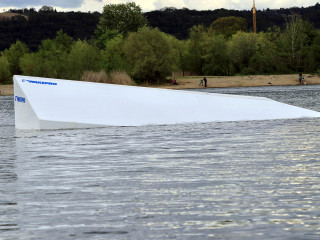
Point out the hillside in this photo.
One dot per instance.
(35, 26)
(178, 21)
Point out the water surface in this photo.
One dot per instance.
(235, 180)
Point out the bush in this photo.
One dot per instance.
(82, 57)
(14, 54)
(150, 54)
(118, 77)
(32, 65)
(115, 77)
(5, 74)
(90, 76)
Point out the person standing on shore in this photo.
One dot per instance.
(300, 78)
(205, 81)
(201, 82)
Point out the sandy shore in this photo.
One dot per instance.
(220, 82)
(244, 81)
(6, 90)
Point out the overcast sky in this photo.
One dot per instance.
(149, 5)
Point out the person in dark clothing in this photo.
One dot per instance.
(205, 81)
(300, 78)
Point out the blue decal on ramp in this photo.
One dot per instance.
(20, 99)
(39, 82)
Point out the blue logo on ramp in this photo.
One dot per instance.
(39, 82)
(20, 99)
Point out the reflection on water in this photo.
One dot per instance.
(236, 180)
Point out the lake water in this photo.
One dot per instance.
(234, 180)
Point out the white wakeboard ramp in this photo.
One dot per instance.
(45, 103)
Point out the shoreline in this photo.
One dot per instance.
(243, 81)
(192, 82)
(6, 90)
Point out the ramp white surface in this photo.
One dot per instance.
(42, 103)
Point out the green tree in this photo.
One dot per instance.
(295, 39)
(107, 36)
(197, 35)
(122, 18)
(5, 75)
(50, 62)
(13, 55)
(242, 47)
(54, 55)
(313, 55)
(114, 56)
(216, 57)
(150, 54)
(31, 64)
(266, 60)
(82, 57)
(273, 52)
(181, 51)
(51, 59)
(63, 41)
(227, 26)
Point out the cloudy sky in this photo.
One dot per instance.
(149, 5)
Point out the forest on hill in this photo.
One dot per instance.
(149, 47)
(177, 22)
(46, 22)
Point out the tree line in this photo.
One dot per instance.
(45, 22)
(177, 22)
(124, 41)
